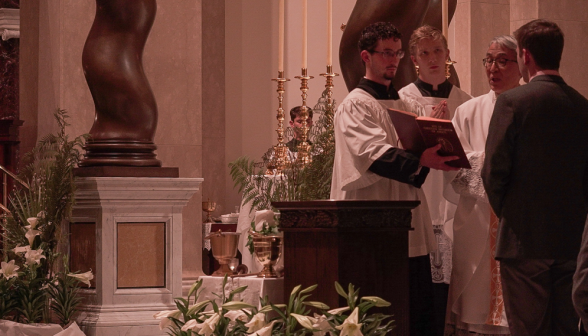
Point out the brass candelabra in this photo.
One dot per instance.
(329, 75)
(448, 65)
(280, 159)
(304, 157)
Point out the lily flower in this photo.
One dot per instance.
(265, 331)
(192, 325)
(33, 221)
(235, 315)
(257, 322)
(351, 325)
(320, 322)
(337, 311)
(209, 325)
(21, 249)
(42, 214)
(34, 256)
(31, 234)
(9, 269)
(83, 277)
(164, 316)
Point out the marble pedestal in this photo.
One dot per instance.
(129, 232)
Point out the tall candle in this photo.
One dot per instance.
(281, 36)
(304, 32)
(445, 17)
(329, 32)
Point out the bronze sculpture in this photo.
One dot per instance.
(126, 111)
(406, 16)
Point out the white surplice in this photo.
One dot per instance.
(475, 300)
(363, 133)
(440, 208)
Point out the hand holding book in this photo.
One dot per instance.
(431, 158)
(436, 137)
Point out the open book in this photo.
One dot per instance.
(419, 133)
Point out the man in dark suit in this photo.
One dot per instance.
(536, 178)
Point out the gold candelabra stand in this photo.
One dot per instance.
(280, 159)
(448, 65)
(329, 75)
(304, 157)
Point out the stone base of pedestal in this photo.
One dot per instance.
(128, 231)
(133, 320)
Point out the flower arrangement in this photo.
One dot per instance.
(291, 319)
(264, 223)
(35, 282)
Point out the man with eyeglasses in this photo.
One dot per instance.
(369, 165)
(475, 299)
(536, 178)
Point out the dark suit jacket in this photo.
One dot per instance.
(536, 169)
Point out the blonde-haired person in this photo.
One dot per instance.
(429, 54)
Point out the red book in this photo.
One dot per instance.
(419, 133)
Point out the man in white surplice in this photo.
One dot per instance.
(369, 165)
(475, 294)
(429, 54)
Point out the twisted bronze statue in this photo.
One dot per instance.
(126, 111)
(406, 16)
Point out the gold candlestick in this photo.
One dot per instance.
(448, 65)
(303, 157)
(280, 160)
(329, 113)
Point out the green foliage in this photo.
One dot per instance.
(38, 209)
(296, 183)
(64, 294)
(372, 324)
(8, 300)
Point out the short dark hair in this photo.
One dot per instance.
(544, 40)
(376, 32)
(295, 112)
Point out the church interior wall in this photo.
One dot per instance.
(210, 65)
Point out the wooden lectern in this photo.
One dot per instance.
(360, 242)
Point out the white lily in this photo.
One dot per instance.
(264, 216)
(320, 322)
(265, 331)
(257, 322)
(33, 221)
(163, 315)
(21, 249)
(209, 325)
(351, 325)
(34, 256)
(337, 311)
(83, 277)
(31, 234)
(235, 315)
(9, 269)
(191, 325)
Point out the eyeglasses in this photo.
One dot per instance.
(500, 62)
(390, 54)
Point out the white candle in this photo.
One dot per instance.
(281, 36)
(445, 17)
(329, 32)
(304, 32)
